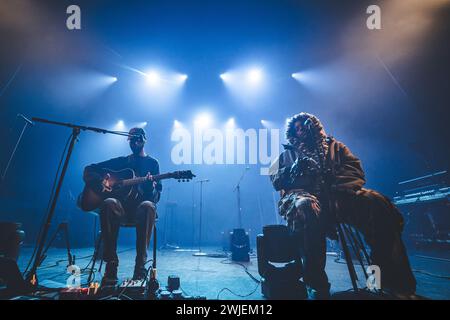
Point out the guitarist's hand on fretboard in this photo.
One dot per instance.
(150, 178)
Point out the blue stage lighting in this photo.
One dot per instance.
(225, 76)
(254, 76)
(297, 76)
(120, 125)
(203, 120)
(153, 78)
(182, 78)
(177, 124)
(230, 123)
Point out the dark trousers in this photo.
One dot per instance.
(113, 215)
(379, 222)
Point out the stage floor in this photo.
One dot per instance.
(206, 276)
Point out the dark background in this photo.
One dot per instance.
(384, 93)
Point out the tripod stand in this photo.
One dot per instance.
(62, 227)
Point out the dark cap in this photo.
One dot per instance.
(137, 132)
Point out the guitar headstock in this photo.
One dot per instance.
(184, 175)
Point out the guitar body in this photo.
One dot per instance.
(92, 197)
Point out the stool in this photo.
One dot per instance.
(98, 243)
(349, 235)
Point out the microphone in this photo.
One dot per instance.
(308, 124)
(26, 119)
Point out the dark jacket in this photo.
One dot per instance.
(346, 170)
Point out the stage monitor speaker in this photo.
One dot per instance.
(280, 264)
(239, 245)
(11, 238)
(11, 280)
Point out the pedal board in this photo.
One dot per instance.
(133, 289)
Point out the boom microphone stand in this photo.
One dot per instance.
(27, 123)
(31, 276)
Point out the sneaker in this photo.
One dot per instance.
(318, 295)
(110, 277)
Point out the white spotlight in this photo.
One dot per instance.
(297, 76)
(153, 78)
(120, 125)
(230, 123)
(114, 79)
(182, 77)
(225, 76)
(254, 76)
(176, 124)
(203, 120)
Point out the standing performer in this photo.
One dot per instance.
(140, 211)
(321, 183)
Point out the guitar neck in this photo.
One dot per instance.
(139, 180)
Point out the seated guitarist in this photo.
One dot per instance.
(117, 212)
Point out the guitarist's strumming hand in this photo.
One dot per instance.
(106, 183)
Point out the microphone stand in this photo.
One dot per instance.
(31, 276)
(237, 188)
(200, 253)
(27, 123)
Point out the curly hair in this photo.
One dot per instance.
(317, 147)
(302, 117)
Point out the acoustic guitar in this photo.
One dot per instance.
(121, 185)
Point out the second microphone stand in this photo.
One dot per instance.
(200, 253)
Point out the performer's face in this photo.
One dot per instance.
(298, 129)
(136, 145)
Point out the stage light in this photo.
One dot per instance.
(153, 78)
(120, 125)
(182, 77)
(142, 124)
(203, 120)
(177, 124)
(230, 123)
(268, 124)
(296, 75)
(254, 76)
(225, 76)
(114, 79)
